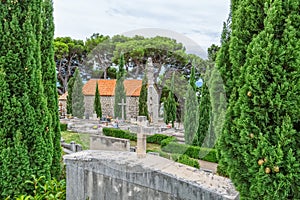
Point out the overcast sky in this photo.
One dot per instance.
(198, 20)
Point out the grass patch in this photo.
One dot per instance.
(150, 146)
(80, 138)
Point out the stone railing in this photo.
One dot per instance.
(70, 148)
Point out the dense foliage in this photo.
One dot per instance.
(143, 107)
(77, 96)
(28, 124)
(259, 144)
(170, 105)
(120, 93)
(97, 102)
(191, 113)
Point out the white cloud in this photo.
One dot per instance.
(200, 20)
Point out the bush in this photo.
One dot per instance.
(167, 141)
(184, 159)
(161, 153)
(157, 138)
(118, 133)
(43, 189)
(63, 127)
(192, 151)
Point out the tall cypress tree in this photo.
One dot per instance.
(170, 105)
(265, 149)
(24, 127)
(97, 102)
(49, 82)
(204, 116)
(143, 108)
(120, 92)
(77, 96)
(191, 110)
(69, 97)
(247, 18)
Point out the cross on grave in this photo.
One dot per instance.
(141, 142)
(123, 104)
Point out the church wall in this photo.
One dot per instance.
(107, 104)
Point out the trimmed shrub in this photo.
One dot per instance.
(157, 138)
(118, 133)
(186, 160)
(167, 141)
(63, 127)
(192, 151)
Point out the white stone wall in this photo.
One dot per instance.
(132, 108)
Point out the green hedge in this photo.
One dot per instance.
(192, 151)
(156, 138)
(118, 133)
(63, 127)
(184, 159)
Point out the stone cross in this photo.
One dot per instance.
(123, 104)
(141, 142)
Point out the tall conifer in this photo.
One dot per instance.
(263, 147)
(143, 108)
(77, 96)
(25, 124)
(97, 102)
(120, 92)
(49, 82)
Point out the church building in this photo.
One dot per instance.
(107, 92)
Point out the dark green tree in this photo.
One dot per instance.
(69, 97)
(170, 105)
(191, 110)
(97, 102)
(120, 92)
(49, 82)
(143, 107)
(263, 146)
(204, 116)
(24, 116)
(77, 96)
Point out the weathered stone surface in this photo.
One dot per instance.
(121, 175)
(98, 142)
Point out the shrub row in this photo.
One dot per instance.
(156, 138)
(184, 159)
(206, 154)
(118, 133)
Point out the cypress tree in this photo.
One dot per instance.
(204, 116)
(265, 148)
(77, 96)
(170, 105)
(24, 127)
(49, 82)
(97, 102)
(191, 110)
(120, 90)
(69, 97)
(143, 108)
(247, 18)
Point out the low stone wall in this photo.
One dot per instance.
(99, 142)
(102, 175)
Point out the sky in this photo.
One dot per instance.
(195, 23)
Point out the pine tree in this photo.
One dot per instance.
(69, 97)
(77, 96)
(143, 108)
(25, 141)
(191, 110)
(263, 148)
(97, 102)
(49, 82)
(120, 90)
(170, 105)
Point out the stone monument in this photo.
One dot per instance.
(153, 97)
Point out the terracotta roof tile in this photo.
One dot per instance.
(107, 87)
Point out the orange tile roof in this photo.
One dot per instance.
(107, 87)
